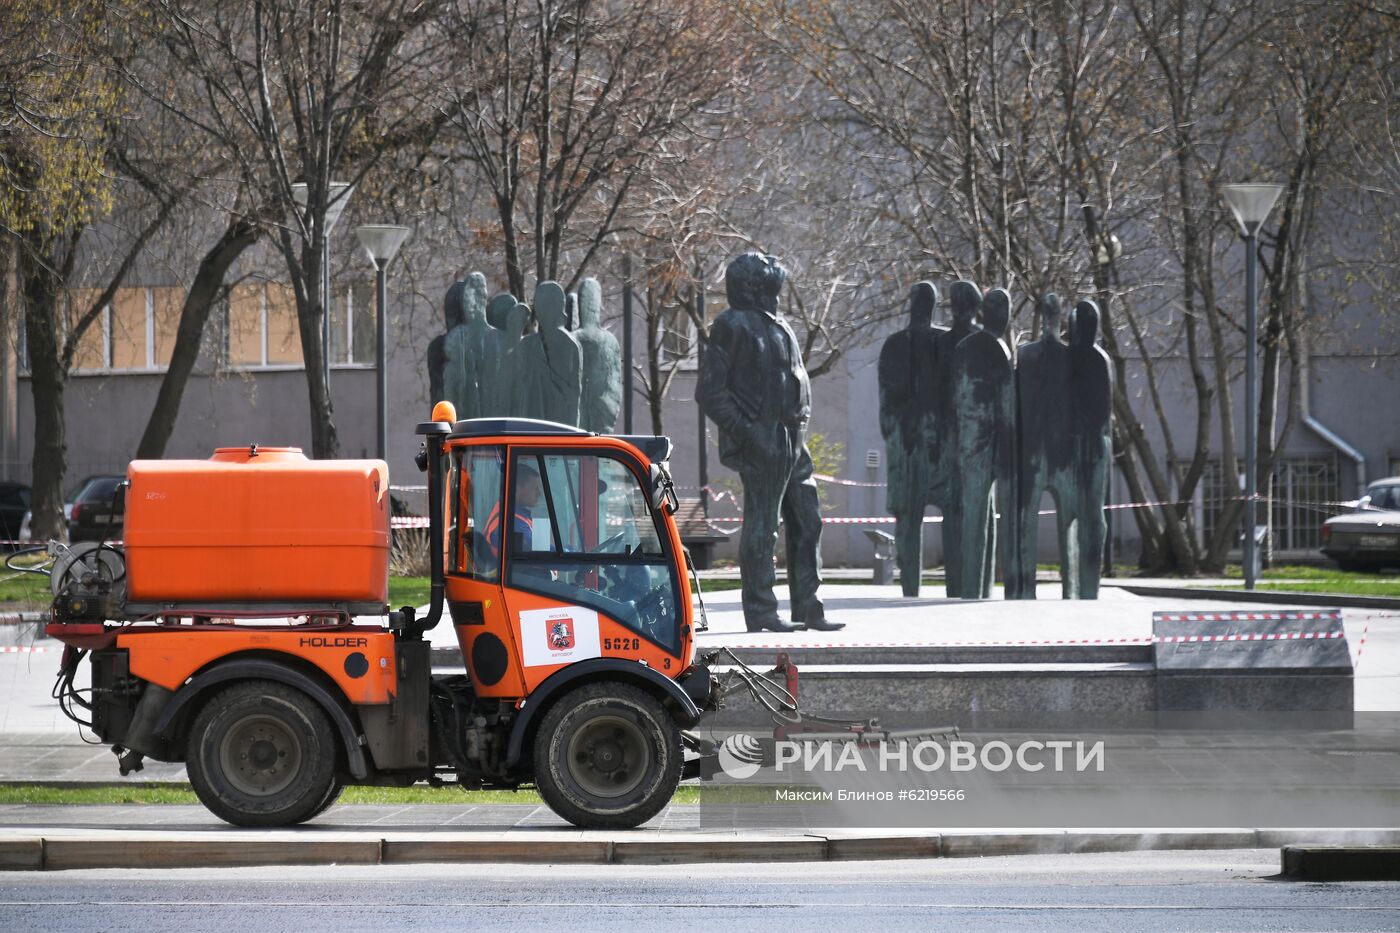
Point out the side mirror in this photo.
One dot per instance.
(661, 494)
(119, 498)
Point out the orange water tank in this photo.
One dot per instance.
(257, 524)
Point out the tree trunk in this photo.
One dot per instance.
(311, 309)
(325, 444)
(194, 316)
(47, 379)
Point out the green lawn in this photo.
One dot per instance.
(1307, 578)
(112, 794)
(1341, 586)
(408, 591)
(1299, 572)
(23, 591)
(181, 793)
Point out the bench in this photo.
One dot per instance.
(697, 534)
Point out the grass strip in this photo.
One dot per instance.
(181, 793)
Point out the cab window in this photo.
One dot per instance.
(475, 490)
(584, 534)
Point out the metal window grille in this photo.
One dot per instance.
(1302, 487)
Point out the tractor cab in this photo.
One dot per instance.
(558, 546)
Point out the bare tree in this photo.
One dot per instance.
(309, 92)
(1081, 147)
(58, 177)
(566, 106)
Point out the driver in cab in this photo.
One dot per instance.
(522, 524)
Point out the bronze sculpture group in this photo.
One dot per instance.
(980, 433)
(488, 366)
(972, 428)
(753, 385)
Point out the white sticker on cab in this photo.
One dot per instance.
(559, 636)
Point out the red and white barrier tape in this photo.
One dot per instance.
(1361, 645)
(23, 649)
(838, 481)
(1269, 636)
(1291, 615)
(1143, 640)
(785, 646)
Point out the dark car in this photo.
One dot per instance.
(14, 502)
(92, 517)
(1369, 538)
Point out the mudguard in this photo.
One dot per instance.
(681, 704)
(260, 669)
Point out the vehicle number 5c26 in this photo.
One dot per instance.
(622, 644)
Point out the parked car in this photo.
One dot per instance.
(1368, 538)
(14, 503)
(91, 516)
(25, 533)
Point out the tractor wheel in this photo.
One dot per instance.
(607, 756)
(262, 754)
(336, 789)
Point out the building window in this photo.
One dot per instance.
(352, 326)
(261, 326)
(92, 351)
(1303, 487)
(134, 332)
(677, 336)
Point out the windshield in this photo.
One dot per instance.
(1384, 499)
(582, 532)
(100, 490)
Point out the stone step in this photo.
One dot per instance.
(875, 689)
(806, 655)
(875, 680)
(765, 657)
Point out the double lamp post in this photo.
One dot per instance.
(381, 242)
(1251, 204)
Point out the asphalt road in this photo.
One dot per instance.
(1229, 890)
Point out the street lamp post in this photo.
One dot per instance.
(1250, 204)
(1105, 253)
(381, 242)
(336, 199)
(627, 343)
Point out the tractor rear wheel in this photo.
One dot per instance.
(262, 754)
(607, 756)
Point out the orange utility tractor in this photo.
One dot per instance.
(242, 625)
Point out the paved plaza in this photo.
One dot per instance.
(37, 743)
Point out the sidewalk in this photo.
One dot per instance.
(156, 836)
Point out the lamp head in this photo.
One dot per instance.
(381, 241)
(1251, 203)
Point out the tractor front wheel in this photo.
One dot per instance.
(607, 756)
(263, 754)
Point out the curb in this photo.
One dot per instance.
(1317, 854)
(1337, 601)
(1341, 863)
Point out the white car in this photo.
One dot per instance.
(1369, 538)
(24, 532)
